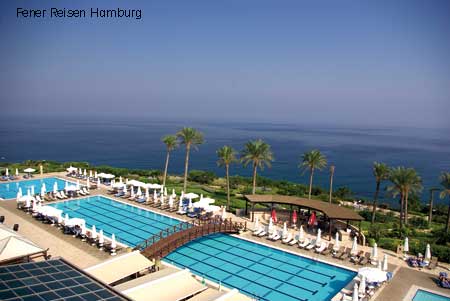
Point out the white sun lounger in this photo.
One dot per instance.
(304, 243)
(81, 192)
(262, 233)
(59, 196)
(276, 236)
(257, 231)
(63, 194)
(84, 189)
(311, 245)
(287, 239)
(322, 247)
(294, 241)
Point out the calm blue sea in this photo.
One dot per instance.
(136, 143)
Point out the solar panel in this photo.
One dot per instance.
(53, 279)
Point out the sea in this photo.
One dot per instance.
(136, 143)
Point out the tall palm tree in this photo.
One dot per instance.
(259, 154)
(405, 181)
(381, 173)
(332, 168)
(227, 155)
(311, 161)
(190, 137)
(171, 143)
(445, 182)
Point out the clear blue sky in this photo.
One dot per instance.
(344, 62)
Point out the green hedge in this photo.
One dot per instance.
(417, 246)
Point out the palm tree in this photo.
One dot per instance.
(227, 155)
(311, 161)
(381, 173)
(171, 143)
(259, 154)
(190, 138)
(405, 181)
(445, 182)
(332, 168)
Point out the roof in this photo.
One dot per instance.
(333, 211)
(120, 267)
(146, 278)
(7, 232)
(215, 295)
(51, 280)
(174, 287)
(15, 246)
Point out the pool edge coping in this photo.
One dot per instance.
(119, 201)
(40, 178)
(413, 291)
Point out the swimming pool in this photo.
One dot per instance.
(260, 271)
(8, 190)
(422, 295)
(131, 225)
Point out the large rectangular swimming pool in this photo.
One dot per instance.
(256, 270)
(8, 190)
(260, 271)
(131, 225)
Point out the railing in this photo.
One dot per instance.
(166, 241)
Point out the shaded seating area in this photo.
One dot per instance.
(120, 268)
(179, 285)
(331, 214)
(16, 249)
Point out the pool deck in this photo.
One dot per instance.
(404, 279)
(84, 255)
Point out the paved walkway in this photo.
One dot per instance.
(404, 279)
(46, 236)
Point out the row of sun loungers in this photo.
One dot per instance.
(324, 248)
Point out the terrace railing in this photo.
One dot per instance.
(161, 244)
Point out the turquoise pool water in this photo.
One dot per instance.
(260, 271)
(8, 190)
(131, 225)
(422, 295)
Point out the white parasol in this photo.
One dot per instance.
(256, 227)
(372, 274)
(93, 232)
(224, 212)
(113, 241)
(336, 242)
(355, 296)
(362, 286)
(374, 252)
(319, 237)
(406, 245)
(301, 235)
(428, 254)
(354, 246)
(270, 228)
(101, 239)
(385, 263)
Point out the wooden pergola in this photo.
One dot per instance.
(331, 212)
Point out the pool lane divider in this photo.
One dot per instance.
(121, 202)
(263, 264)
(243, 289)
(122, 221)
(297, 254)
(279, 260)
(256, 272)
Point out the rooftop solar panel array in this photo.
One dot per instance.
(51, 280)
